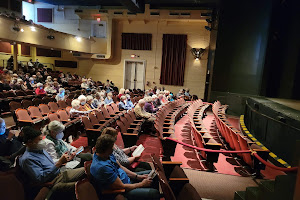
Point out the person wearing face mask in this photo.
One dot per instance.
(76, 111)
(40, 90)
(61, 95)
(40, 168)
(9, 145)
(56, 147)
(123, 103)
(83, 105)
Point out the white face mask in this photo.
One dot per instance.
(60, 136)
(41, 145)
(82, 103)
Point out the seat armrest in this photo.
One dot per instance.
(113, 191)
(135, 134)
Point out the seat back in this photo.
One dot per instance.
(22, 114)
(167, 191)
(44, 109)
(34, 111)
(156, 162)
(53, 117)
(63, 115)
(99, 115)
(85, 190)
(37, 101)
(46, 100)
(110, 110)
(20, 93)
(13, 105)
(87, 123)
(105, 112)
(69, 101)
(93, 118)
(26, 103)
(121, 126)
(53, 106)
(87, 169)
(115, 107)
(12, 187)
(68, 109)
(62, 104)
(244, 146)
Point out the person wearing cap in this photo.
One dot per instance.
(40, 168)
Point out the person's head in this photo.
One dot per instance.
(89, 99)
(123, 98)
(142, 102)
(75, 104)
(82, 99)
(2, 126)
(54, 129)
(110, 131)
(40, 85)
(104, 145)
(98, 96)
(148, 99)
(127, 91)
(122, 90)
(109, 95)
(55, 84)
(33, 138)
(154, 97)
(128, 97)
(61, 91)
(160, 96)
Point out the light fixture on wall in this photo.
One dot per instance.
(50, 36)
(32, 28)
(79, 39)
(197, 53)
(16, 27)
(98, 19)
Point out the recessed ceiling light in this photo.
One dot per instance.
(22, 30)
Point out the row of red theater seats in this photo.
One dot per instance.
(201, 136)
(235, 138)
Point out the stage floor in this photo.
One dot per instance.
(295, 104)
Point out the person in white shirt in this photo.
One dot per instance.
(61, 95)
(56, 147)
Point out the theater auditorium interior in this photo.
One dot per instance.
(150, 99)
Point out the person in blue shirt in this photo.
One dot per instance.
(107, 173)
(108, 100)
(129, 102)
(40, 168)
(123, 103)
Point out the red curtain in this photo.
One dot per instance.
(173, 59)
(136, 41)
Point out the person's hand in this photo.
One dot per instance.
(142, 177)
(11, 134)
(63, 159)
(136, 158)
(146, 182)
(133, 148)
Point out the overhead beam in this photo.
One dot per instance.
(135, 6)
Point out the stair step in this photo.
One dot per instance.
(267, 185)
(240, 195)
(252, 193)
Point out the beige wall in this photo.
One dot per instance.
(195, 72)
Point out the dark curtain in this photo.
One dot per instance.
(137, 41)
(173, 59)
(25, 50)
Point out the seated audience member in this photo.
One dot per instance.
(56, 86)
(56, 147)
(121, 93)
(121, 155)
(170, 97)
(107, 173)
(194, 98)
(75, 110)
(83, 105)
(97, 101)
(10, 145)
(40, 168)
(180, 93)
(149, 107)
(89, 100)
(24, 86)
(187, 92)
(84, 84)
(31, 83)
(129, 102)
(49, 88)
(140, 113)
(108, 100)
(40, 90)
(61, 95)
(123, 103)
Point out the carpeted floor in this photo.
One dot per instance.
(217, 186)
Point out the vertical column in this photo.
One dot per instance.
(15, 55)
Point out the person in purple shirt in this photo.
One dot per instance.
(39, 167)
(149, 107)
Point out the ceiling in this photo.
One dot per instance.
(155, 4)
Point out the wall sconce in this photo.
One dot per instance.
(197, 53)
(16, 27)
(50, 35)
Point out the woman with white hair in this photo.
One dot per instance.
(108, 100)
(121, 92)
(56, 147)
(75, 110)
(40, 90)
(83, 105)
(61, 95)
(122, 104)
(89, 100)
(98, 101)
